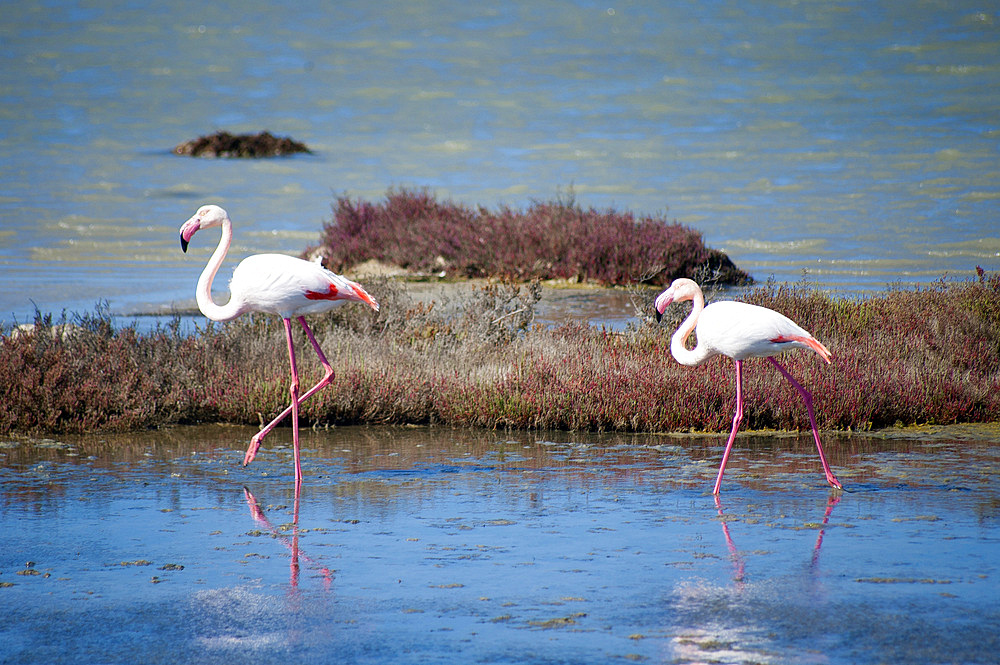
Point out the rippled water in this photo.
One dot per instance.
(443, 546)
(856, 141)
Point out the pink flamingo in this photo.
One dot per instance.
(277, 284)
(739, 331)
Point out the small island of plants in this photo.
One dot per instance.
(242, 146)
(555, 240)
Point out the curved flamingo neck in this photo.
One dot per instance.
(204, 294)
(678, 348)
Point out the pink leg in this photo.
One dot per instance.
(737, 419)
(294, 390)
(258, 438)
(807, 398)
(294, 565)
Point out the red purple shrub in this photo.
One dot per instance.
(556, 240)
(82, 376)
(927, 355)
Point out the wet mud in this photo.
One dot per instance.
(455, 546)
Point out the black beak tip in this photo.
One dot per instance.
(658, 315)
(184, 245)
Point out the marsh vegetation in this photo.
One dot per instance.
(905, 356)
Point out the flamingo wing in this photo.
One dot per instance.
(289, 286)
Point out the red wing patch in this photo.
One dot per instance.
(811, 342)
(331, 294)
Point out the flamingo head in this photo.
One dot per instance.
(680, 290)
(206, 217)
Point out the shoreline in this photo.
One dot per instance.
(986, 432)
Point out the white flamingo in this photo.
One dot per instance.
(276, 284)
(739, 330)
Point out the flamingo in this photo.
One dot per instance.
(276, 284)
(740, 331)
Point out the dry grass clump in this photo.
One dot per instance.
(555, 240)
(927, 355)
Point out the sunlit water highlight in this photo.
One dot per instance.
(854, 141)
(443, 546)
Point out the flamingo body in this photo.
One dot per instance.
(275, 284)
(740, 331)
(289, 287)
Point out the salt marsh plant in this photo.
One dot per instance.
(905, 356)
(551, 240)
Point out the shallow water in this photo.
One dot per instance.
(455, 546)
(855, 140)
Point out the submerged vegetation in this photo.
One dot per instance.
(925, 355)
(554, 240)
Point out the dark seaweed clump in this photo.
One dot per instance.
(903, 357)
(247, 146)
(551, 240)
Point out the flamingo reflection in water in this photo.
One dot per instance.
(741, 621)
(291, 543)
(740, 567)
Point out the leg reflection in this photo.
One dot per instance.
(739, 566)
(831, 501)
(291, 543)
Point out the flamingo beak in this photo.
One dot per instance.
(661, 303)
(188, 229)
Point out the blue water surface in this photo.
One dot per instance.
(854, 142)
(456, 547)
